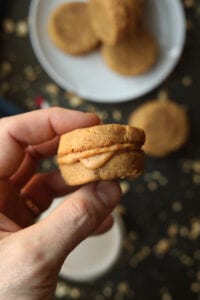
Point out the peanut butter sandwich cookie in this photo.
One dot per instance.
(110, 18)
(166, 126)
(70, 28)
(102, 152)
(134, 55)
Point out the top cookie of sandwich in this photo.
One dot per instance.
(100, 136)
(111, 18)
(70, 28)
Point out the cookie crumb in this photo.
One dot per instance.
(162, 247)
(187, 81)
(8, 26)
(177, 206)
(117, 115)
(22, 29)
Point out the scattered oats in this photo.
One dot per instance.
(4, 87)
(187, 81)
(123, 287)
(90, 108)
(162, 247)
(75, 293)
(139, 189)
(117, 115)
(187, 166)
(38, 69)
(196, 179)
(195, 287)
(128, 245)
(75, 101)
(163, 181)
(195, 230)
(172, 230)
(107, 291)
(54, 102)
(125, 187)
(22, 28)
(5, 69)
(196, 166)
(177, 206)
(156, 175)
(166, 296)
(103, 115)
(8, 26)
(189, 3)
(54, 159)
(197, 255)
(145, 251)
(46, 165)
(152, 186)
(184, 231)
(62, 290)
(30, 73)
(140, 256)
(52, 89)
(30, 103)
(186, 260)
(163, 95)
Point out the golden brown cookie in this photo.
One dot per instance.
(166, 126)
(70, 28)
(101, 152)
(134, 55)
(112, 18)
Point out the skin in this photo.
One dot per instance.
(31, 253)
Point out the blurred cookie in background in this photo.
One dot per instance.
(134, 55)
(70, 29)
(112, 19)
(165, 123)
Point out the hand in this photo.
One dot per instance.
(31, 254)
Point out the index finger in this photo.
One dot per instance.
(34, 128)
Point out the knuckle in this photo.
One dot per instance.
(83, 214)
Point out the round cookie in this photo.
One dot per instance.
(166, 126)
(135, 55)
(70, 29)
(102, 152)
(112, 18)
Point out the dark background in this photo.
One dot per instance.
(161, 210)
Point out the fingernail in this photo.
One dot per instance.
(109, 193)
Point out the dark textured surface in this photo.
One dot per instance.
(161, 210)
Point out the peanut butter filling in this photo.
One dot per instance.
(95, 158)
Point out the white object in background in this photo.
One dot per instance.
(87, 75)
(94, 256)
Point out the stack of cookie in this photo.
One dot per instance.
(128, 48)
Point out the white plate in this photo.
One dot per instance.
(88, 76)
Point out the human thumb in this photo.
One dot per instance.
(75, 219)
